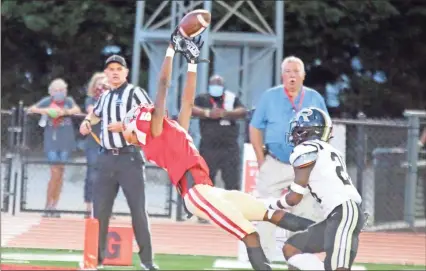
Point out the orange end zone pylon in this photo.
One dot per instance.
(119, 248)
(91, 233)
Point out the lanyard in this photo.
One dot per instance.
(302, 96)
(213, 102)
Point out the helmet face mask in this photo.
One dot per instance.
(309, 124)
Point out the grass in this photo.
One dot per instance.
(165, 261)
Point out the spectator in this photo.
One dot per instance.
(218, 111)
(97, 85)
(269, 125)
(59, 137)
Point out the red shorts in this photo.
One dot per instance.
(195, 175)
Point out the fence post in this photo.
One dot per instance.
(412, 158)
(11, 130)
(20, 125)
(179, 208)
(360, 154)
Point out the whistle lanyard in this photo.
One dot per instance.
(214, 104)
(302, 96)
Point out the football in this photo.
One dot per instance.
(194, 23)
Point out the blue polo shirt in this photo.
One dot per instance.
(275, 111)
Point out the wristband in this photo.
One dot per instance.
(283, 202)
(298, 188)
(421, 144)
(192, 67)
(170, 52)
(88, 120)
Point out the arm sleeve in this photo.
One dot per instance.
(45, 102)
(258, 119)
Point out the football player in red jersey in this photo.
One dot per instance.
(167, 143)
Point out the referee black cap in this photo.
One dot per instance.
(116, 59)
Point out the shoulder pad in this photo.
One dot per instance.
(303, 155)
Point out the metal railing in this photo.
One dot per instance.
(382, 156)
(25, 172)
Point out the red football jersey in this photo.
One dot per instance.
(173, 150)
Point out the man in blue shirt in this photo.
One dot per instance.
(268, 128)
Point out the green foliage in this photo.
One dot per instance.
(75, 31)
(387, 35)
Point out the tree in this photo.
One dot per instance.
(385, 35)
(45, 39)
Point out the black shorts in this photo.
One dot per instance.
(337, 236)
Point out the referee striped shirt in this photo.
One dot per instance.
(112, 107)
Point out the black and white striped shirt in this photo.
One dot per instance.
(112, 106)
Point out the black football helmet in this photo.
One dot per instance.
(309, 124)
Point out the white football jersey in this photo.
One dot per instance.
(329, 182)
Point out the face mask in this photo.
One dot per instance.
(216, 91)
(59, 96)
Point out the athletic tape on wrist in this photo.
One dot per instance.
(170, 52)
(192, 67)
(298, 189)
(283, 202)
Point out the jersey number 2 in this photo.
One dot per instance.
(341, 169)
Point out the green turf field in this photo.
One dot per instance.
(66, 258)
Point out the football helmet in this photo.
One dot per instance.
(130, 132)
(309, 124)
(129, 121)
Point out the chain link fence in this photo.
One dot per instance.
(376, 157)
(27, 160)
(377, 154)
(7, 124)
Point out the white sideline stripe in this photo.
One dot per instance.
(14, 261)
(42, 257)
(220, 263)
(235, 264)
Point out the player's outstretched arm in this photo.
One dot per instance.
(160, 99)
(190, 49)
(188, 96)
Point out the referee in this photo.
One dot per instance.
(120, 164)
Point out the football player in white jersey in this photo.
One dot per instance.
(320, 170)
